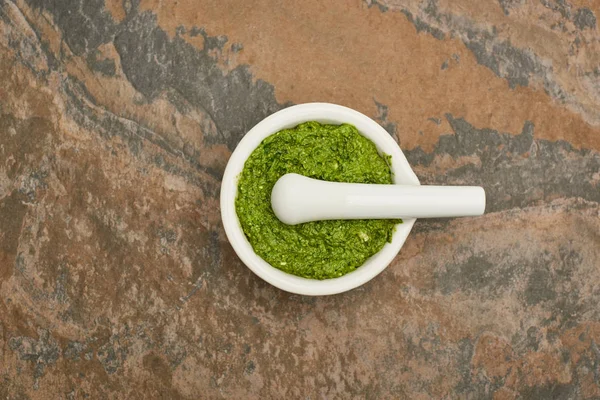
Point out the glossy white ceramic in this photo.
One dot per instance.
(288, 118)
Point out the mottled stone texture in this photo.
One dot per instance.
(116, 122)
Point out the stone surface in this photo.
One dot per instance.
(116, 122)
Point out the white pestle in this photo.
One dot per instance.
(296, 199)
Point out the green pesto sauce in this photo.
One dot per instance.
(320, 249)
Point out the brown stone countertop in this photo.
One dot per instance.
(117, 118)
